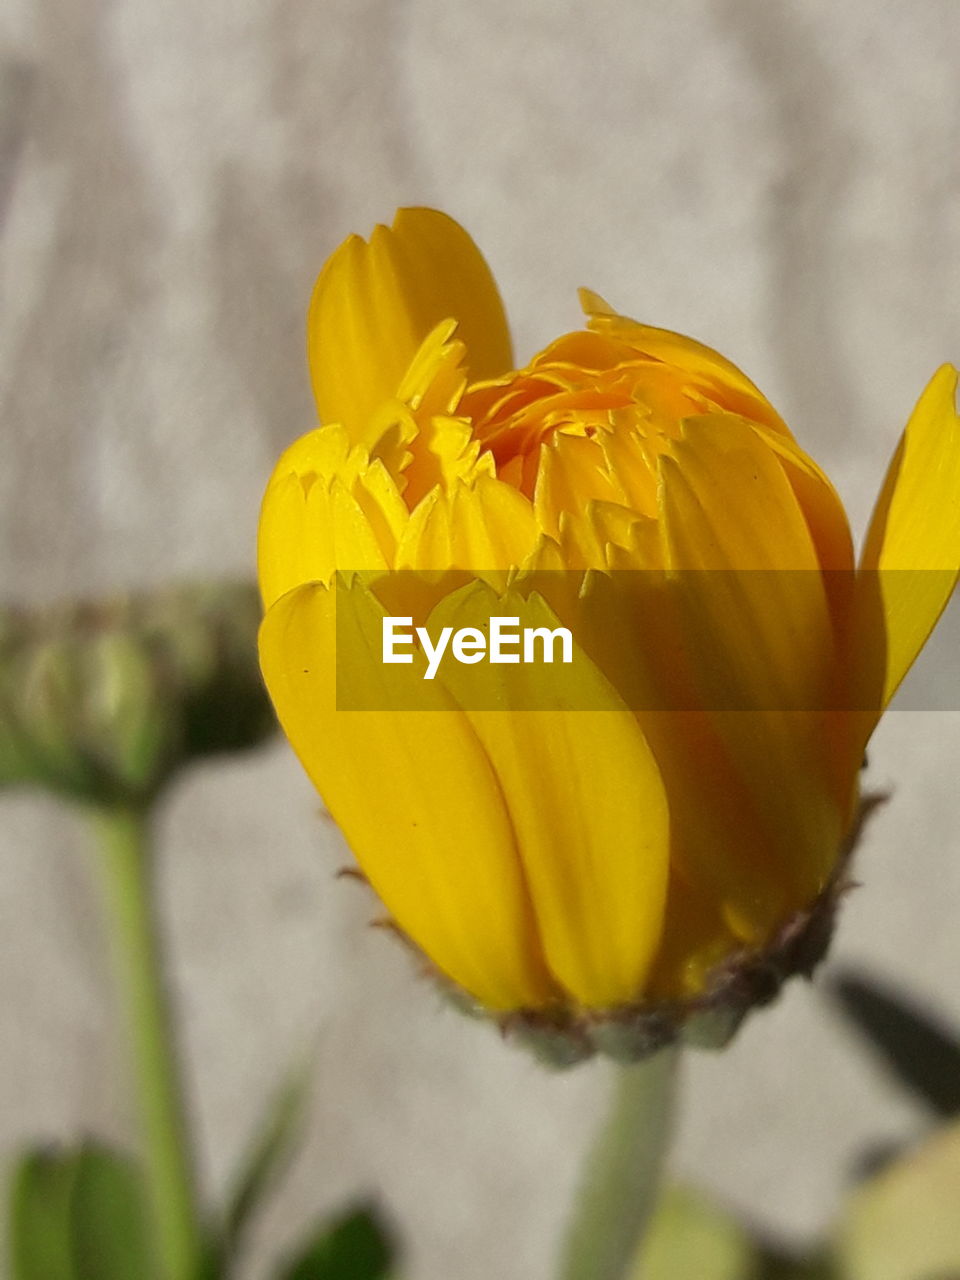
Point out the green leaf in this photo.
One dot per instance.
(921, 1052)
(270, 1152)
(78, 1214)
(212, 1264)
(109, 1222)
(354, 1247)
(42, 1187)
(690, 1237)
(904, 1224)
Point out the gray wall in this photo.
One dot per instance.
(780, 179)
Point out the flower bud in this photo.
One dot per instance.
(645, 837)
(104, 700)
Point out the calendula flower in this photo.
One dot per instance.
(661, 842)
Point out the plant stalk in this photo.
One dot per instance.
(622, 1173)
(127, 863)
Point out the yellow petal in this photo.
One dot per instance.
(696, 940)
(584, 797)
(375, 303)
(758, 636)
(321, 512)
(732, 520)
(734, 390)
(819, 501)
(412, 791)
(911, 557)
(327, 506)
(485, 527)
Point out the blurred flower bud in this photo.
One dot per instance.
(105, 700)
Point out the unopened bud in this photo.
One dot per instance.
(105, 700)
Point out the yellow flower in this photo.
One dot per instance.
(696, 802)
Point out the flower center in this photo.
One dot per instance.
(584, 422)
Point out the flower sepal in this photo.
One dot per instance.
(563, 1036)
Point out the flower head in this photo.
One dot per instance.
(638, 839)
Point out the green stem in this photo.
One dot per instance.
(125, 847)
(621, 1177)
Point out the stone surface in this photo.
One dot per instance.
(780, 179)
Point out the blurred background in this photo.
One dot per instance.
(781, 180)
